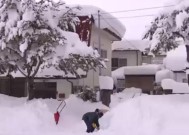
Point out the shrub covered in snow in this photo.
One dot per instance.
(88, 94)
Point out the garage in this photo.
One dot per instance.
(45, 90)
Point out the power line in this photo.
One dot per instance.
(139, 9)
(127, 17)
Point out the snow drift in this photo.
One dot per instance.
(142, 115)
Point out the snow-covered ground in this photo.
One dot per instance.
(141, 115)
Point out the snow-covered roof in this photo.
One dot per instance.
(176, 59)
(75, 46)
(114, 25)
(140, 45)
(150, 69)
(50, 73)
(118, 73)
(106, 83)
(177, 87)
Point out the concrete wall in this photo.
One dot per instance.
(133, 57)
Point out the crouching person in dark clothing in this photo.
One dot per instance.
(91, 120)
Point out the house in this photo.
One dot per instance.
(54, 84)
(110, 30)
(133, 53)
(128, 53)
(142, 77)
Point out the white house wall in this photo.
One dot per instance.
(105, 45)
(92, 79)
(63, 86)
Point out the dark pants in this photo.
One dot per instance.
(89, 126)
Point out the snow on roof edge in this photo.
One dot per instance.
(140, 45)
(114, 25)
(149, 69)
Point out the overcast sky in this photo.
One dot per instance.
(135, 27)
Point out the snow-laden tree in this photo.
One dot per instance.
(168, 27)
(34, 35)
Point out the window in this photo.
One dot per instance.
(103, 53)
(116, 63)
(122, 62)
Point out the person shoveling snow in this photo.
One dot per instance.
(91, 120)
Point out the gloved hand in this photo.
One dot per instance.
(93, 125)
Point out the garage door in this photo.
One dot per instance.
(45, 90)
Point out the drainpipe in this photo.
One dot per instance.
(99, 40)
(71, 85)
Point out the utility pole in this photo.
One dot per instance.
(99, 39)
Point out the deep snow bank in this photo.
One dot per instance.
(19, 116)
(150, 115)
(142, 115)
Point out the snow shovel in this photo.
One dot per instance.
(58, 111)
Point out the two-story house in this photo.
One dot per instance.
(128, 53)
(133, 53)
(101, 31)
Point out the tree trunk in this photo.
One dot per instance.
(29, 87)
